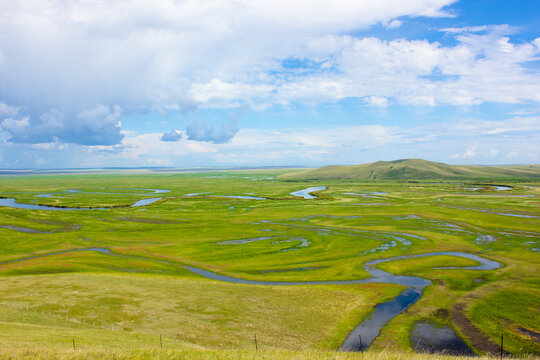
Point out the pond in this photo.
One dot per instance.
(431, 338)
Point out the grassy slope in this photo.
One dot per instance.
(414, 169)
(183, 310)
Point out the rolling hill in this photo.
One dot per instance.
(414, 169)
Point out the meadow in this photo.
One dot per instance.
(114, 279)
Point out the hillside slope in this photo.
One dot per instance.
(414, 169)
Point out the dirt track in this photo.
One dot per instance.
(473, 334)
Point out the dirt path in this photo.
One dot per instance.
(473, 334)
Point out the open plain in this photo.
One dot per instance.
(230, 260)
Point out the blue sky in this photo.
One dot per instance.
(248, 83)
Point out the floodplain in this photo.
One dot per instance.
(232, 260)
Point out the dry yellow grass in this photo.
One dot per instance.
(200, 354)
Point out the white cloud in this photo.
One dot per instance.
(15, 126)
(147, 54)
(159, 162)
(468, 141)
(470, 152)
(70, 70)
(6, 110)
(476, 29)
(484, 67)
(200, 130)
(49, 146)
(394, 24)
(376, 101)
(97, 125)
(65, 57)
(173, 135)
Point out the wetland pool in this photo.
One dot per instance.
(431, 338)
(306, 193)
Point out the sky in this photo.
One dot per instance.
(205, 83)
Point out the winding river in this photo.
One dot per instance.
(362, 336)
(11, 202)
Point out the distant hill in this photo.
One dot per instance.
(414, 169)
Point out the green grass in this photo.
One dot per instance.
(508, 312)
(414, 169)
(206, 313)
(147, 297)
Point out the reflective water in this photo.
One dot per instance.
(144, 202)
(493, 212)
(240, 197)
(362, 336)
(26, 230)
(485, 239)
(295, 269)
(197, 194)
(10, 202)
(245, 197)
(306, 193)
(14, 204)
(49, 196)
(425, 337)
(101, 250)
(245, 241)
(372, 194)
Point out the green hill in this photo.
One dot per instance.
(414, 169)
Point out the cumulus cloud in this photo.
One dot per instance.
(470, 152)
(484, 66)
(329, 144)
(167, 55)
(173, 135)
(148, 54)
(98, 125)
(376, 101)
(58, 59)
(394, 24)
(6, 110)
(200, 130)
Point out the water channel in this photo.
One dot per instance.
(306, 193)
(11, 202)
(362, 336)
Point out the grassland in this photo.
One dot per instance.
(121, 304)
(47, 354)
(414, 169)
(189, 353)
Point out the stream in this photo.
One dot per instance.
(11, 202)
(363, 334)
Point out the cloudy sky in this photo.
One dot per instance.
(182, 83)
